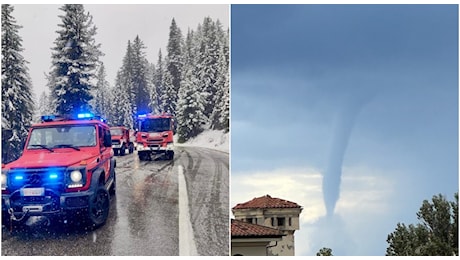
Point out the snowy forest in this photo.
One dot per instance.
(189, 80)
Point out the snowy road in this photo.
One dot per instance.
(161, 208)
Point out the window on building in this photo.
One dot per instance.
(273, 222)
(290, 221)
(281, 222)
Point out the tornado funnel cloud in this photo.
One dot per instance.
(333, 174)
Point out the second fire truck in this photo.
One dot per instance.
(155, 136)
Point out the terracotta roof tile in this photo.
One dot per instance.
(240, 228)
(266, 202)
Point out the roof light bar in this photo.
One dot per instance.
(85, 115)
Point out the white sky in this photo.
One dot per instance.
(116, 25)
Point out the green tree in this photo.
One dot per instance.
(437, 234)
(74, 61)
(174, 66)
(100, 102)
(190, 109)
(17, 101)
(220, 116)
(158, 86)
(324, 252)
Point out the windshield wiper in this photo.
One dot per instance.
(66, 146)
(42, 146)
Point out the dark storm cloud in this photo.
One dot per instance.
(322, 37)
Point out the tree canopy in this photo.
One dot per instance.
(325, 251)
(435, 235)
(17, 101)
(75, 59)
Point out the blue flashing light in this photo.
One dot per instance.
(18, 178)
(53, 176)
(47, 118)
(85, 115)
(142, 116)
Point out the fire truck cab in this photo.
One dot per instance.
(122, 139)
(155, 136)
(66, 170)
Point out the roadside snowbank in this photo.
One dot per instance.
(212, 139)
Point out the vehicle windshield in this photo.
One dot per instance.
(62, 136)
(155, 125)
(116, 131)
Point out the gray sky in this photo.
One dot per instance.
(369, 91)
(116, 24)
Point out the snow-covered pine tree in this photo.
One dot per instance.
(140, 78)
(221, 112)
(207, 63)
(153, 105)
(17, 97)
(158, 81)
(74, 61)
(123, 91)
(190, 109)
(44, 105)
(173, 73)
(121, 107)
(100, 103)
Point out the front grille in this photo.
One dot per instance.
(155, 140)
(45, 177)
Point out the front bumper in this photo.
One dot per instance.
(154, 148)
(117, 146)
(52, 203)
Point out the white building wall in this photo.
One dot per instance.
(249, 249)
(285, 247)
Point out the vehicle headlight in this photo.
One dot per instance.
(76, 176)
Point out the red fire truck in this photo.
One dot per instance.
(155, 136)
(67, 170)
(122, 139)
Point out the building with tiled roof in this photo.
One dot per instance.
(273, 213)
(266, 202)
(251, 239)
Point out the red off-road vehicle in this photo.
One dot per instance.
(122, 139)
(67, 170)
(155, 136)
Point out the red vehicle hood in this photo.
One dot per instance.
(60, 157)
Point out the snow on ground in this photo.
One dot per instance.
(213, 139)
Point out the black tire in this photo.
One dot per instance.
(170, 155)
(98, 209)
(144, 156)
(115, 151)
(123, 150)
(141, 156)
(113, 188)
(131, 148)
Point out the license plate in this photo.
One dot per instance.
(33, 191)
(37, 208)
